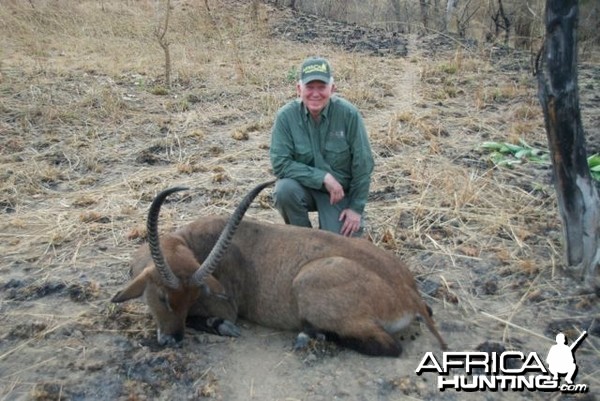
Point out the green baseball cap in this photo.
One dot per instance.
(315, 69)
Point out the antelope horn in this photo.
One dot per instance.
(169, 278)
(224, 240)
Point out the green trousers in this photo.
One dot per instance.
(294, 202)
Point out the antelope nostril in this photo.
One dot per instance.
(168, 340)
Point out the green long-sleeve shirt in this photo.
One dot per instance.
(305, 151)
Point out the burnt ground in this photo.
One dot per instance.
(307, 28)
(490, 268)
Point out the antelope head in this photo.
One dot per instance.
(173, 280)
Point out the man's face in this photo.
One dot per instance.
(315, 95)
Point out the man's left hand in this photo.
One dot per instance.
(351, 222)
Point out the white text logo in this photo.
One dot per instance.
(506, 371)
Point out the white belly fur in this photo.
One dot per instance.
(395, 326)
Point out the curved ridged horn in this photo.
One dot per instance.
(161, 264)
(218, 250)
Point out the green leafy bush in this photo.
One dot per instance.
(508, 154)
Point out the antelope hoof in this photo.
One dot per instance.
(229, 329)
(302, 341)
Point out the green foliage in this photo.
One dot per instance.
(506, 154)
(594, 163)
(292, 74)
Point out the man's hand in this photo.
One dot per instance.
(351, 222)
(336, 191)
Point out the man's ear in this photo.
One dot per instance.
(134, 289)
(298, 88)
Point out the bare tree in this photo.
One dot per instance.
(397, 14)
(435, 11)
(450, 6)
(578, 202)
(424, 5)
(502, 22)
(160, 33)
(524, 25)
(464, 17)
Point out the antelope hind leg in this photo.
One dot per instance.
(369, 340)
(335, 298)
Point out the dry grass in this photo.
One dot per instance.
(90, 135)
(81, 109)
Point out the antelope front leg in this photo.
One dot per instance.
(214, 325)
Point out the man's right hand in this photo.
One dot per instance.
(336, 191)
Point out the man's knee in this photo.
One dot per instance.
(293, 202)
(288, 192)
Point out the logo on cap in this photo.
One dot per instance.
(315, 69)
(311, 69)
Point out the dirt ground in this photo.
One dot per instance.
(88, 140)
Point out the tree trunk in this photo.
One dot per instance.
(501, 21)
(161, 35)
(450, 6)
(424, 13)
(578, 201)
(397, 14)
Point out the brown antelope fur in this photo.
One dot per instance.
(279, 276)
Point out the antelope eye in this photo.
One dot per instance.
(165, 300)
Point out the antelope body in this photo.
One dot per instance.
(279, 276)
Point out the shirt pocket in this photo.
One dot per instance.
(337, 153)
(303, 153)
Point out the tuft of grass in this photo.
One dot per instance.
(292, 75)
(159, 90)
(240, 135)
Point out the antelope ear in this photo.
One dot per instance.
(134, 289)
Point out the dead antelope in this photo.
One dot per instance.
(279, 276)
